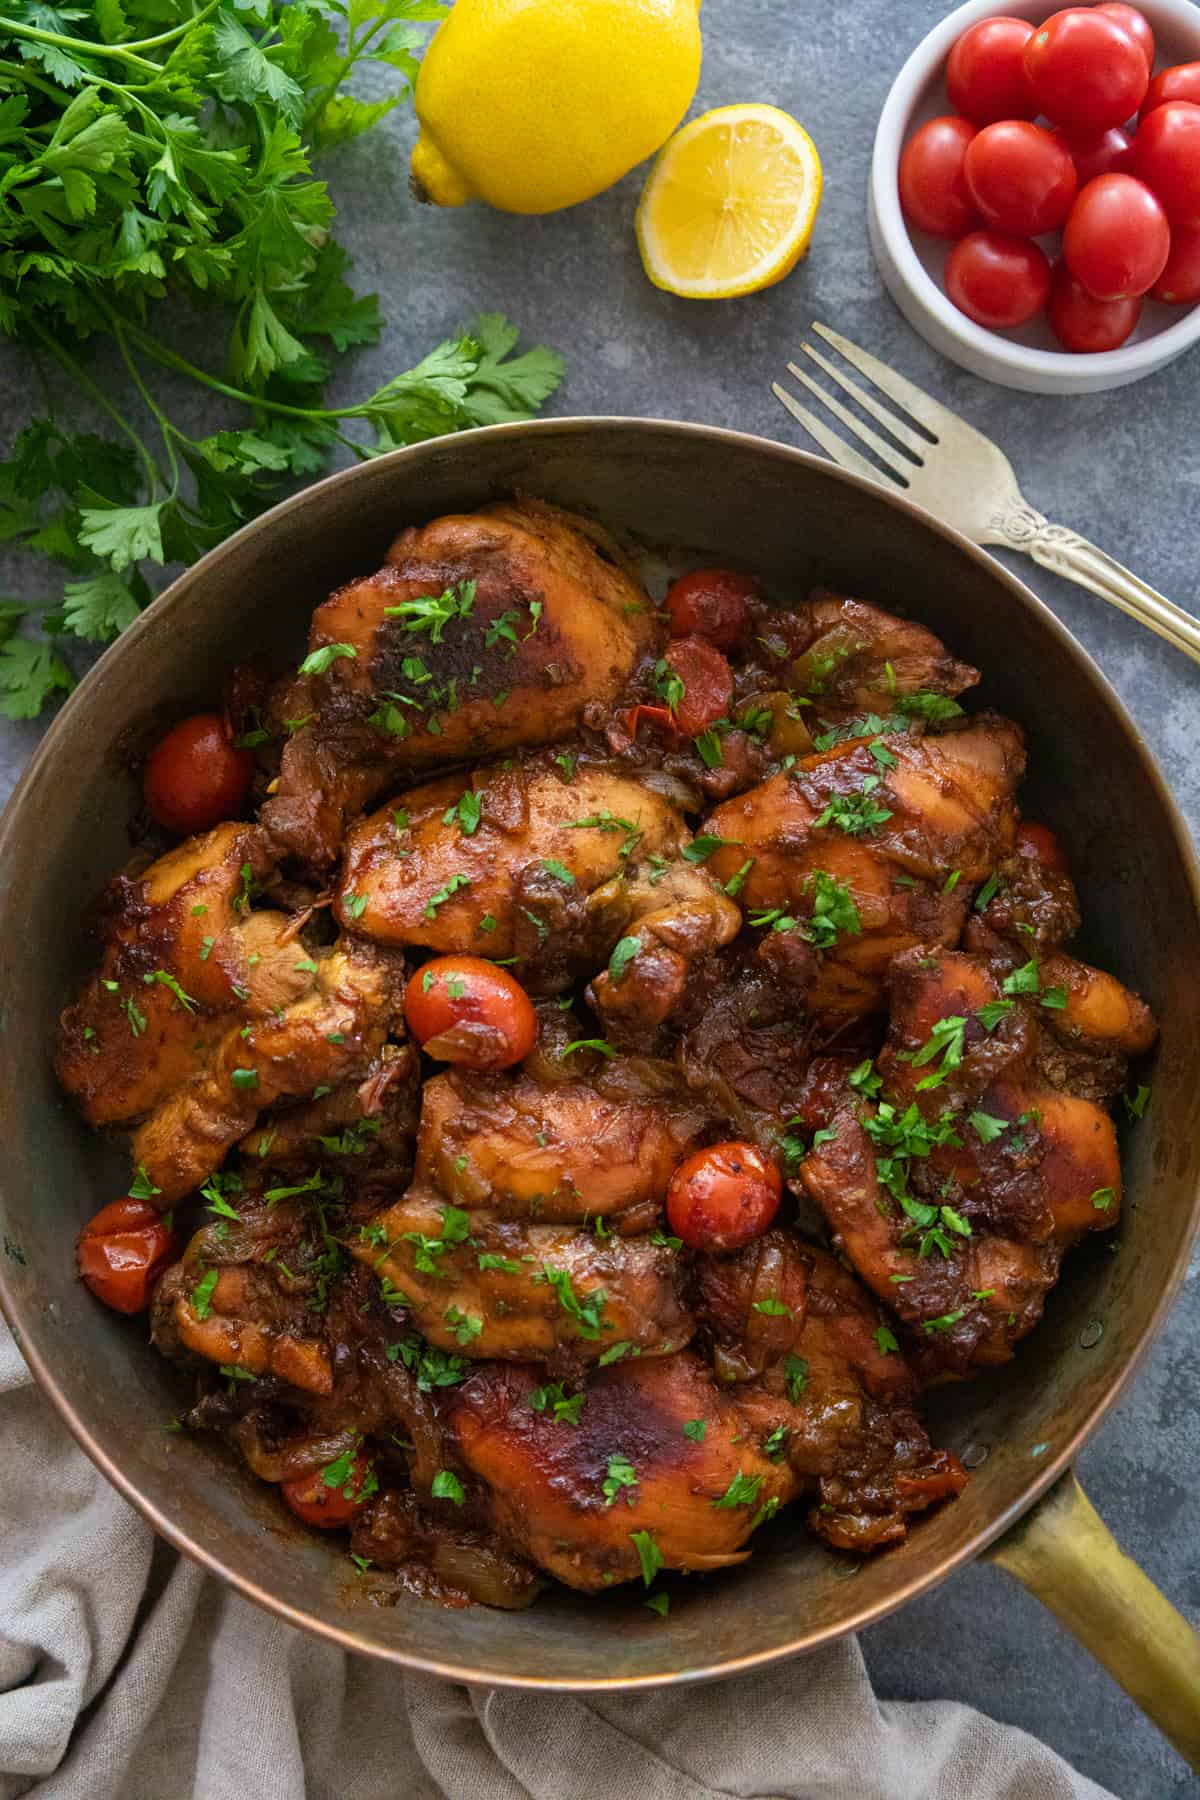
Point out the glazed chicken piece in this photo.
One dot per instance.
(182, 954)
(240, 1296)
(957, 1194)
(829, 1391)
(669, 922)
(331, 1034)
(488, 1287)
(579, 1499)
(847, 656)
(372, 1121)
(891, 820)
(503, 862)
(482, 632)
(581, 1150)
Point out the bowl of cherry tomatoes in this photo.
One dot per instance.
(1034, 202)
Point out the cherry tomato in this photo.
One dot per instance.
(1182, 82)
(711, 603)
(659, 716)
(122, 1252)
(985, 73)
(1166, 154)
(194, 777)
(464, 1010)
(1039, 844)
(1020, 178)
(1081, 322)
(1179, 283)
(1109, 154)
(996, 280)
(707, 683)
(933, 191)
(330, 1504)
(1135, 23)
(1086, 71)
(720, 1198)
(1117, 238)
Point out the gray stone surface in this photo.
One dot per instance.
(1124, 468)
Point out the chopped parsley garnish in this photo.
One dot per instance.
(623, 954)
(453, 886)
(588, 1312)
(618, 1352)
(855, 814)
(989, 1016)
(503, 1265)
(447, 1486)
(1103, 1198)
(465, 1326)
(833, 911)
(695, 1429)
(356, 905)
(619, 1474)
(659, 1603)
(600, 1044)
(701, 848)
(945, 1040)
(742, 1491)
(737, 881)
(202, 1293)
(934, 708)
(987, 892)
(566, 762)
(141, 1187)
(565, 1407)
(318, 661)
(776, 1444)
(946, 1322)
(466, 813)
(952, 880)
(433, 1368)
(795, 1376)
(169, 982)
(773, 1307)
(1135, 1104)
(708, 749)
(987, 1126)
(881, 754)
(886, 1341)
(244, 1078)
(864, 1080)
(668, 685)
(559, 870)
(433, 612)
(649, 1554)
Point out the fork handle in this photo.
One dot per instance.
(1057, 547)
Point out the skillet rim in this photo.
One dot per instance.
(1047, 1473)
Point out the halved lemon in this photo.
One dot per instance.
(730, 203)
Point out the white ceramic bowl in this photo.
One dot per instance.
(911, 265)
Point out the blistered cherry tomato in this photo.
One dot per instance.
(985, 73)
(1109, 154)
(1166, 154)
(1136, 24)
(122, 1252)
(1179, 283)
(720, 1198)
(1086, 71)
(1117, 238)
(330, 1504)
(1081, 322)
(933, 191)
(1020, 178)
(194, 778)
(996, 280)
(464, 1010)
(711, 603)
(707, 683)
(1039, 844)
(1182, 82)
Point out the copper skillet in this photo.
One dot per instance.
(800, 521)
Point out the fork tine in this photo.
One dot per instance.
(887, 453)
(925, 410)
(829, 441)
(919, 446)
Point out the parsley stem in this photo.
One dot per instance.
(116, 52)
(354, 50)
(172, 360)
(24, 74)
(160, 419)
(79, 374)
(176, 31)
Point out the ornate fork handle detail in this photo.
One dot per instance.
(1021, 527)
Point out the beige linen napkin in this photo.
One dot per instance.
(127, 1674)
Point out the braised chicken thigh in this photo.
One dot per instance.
(616, 1073)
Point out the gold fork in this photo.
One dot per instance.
(962, 477)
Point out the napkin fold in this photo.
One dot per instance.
(128, 1674)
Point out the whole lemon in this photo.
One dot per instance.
(533, 105)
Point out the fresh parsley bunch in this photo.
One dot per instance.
(154, 152)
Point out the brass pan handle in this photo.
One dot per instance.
(1064, 1553)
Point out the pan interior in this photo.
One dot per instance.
(799, 522)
